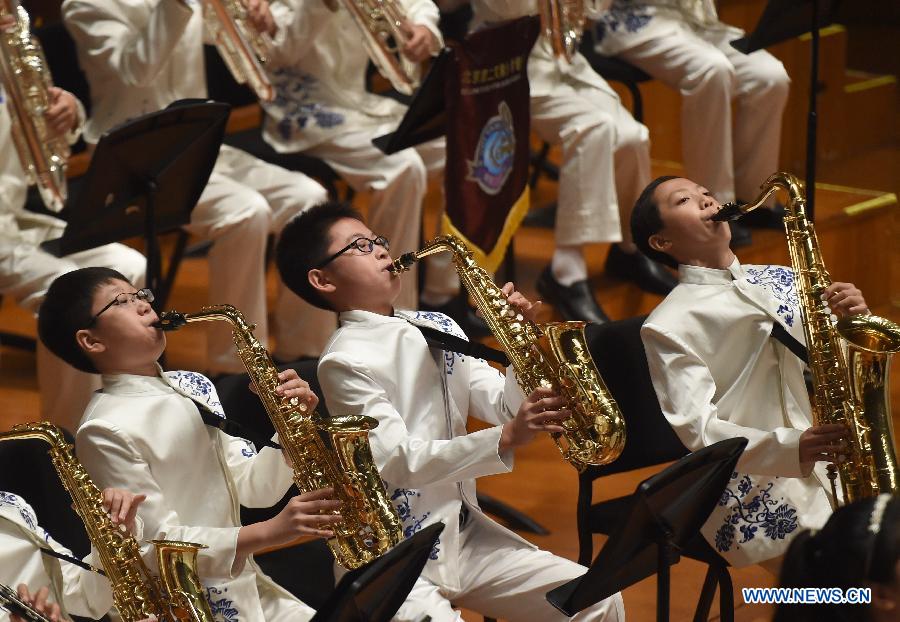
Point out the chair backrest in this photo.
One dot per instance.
(619, 354)
(26, 470)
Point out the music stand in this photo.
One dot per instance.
(426, 117)
(782, 20)
(374, 592)
(664, 513)
(145, 177)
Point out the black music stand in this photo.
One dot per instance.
(374, 592)
(664, 512)
(145, 177)
(426, 117)
(782, 20)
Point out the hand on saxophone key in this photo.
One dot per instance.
(528, 309)
(7, 22)
(39, 603)
(541, 411)
(309, 514)
(845, 299)
(292, 385)
(62, 115)
(261, 17)
(824, 443)
(420, 41)
(122, 507)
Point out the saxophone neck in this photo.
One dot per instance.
(462, 256)
(173, 320)
(781, 180)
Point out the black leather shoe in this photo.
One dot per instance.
(740, 235)
(573, 302)
(764, 218)
(636, 267)
(458, 308)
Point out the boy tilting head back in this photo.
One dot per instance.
(379, 364)
(143, 431)
(719, 371)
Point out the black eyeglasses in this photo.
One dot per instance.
(363, 245)
(124, 298)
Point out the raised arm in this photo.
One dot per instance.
(404, 459)
(685, 389)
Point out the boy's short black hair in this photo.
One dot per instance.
(304, 243)
(646, 221)
(67, 309)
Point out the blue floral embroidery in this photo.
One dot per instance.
(623, 15)
(747, 514)
(223, 608)
(198, 386)
(779, 281)
(403, 498)
(294, 93)
(25, 511)
(441, 322)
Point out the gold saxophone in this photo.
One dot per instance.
(9, 600)
(27, 81)
(243, 48)
(552, 355)
(850, 390)
(137, 594)
(370, 524)
(562, 24)
(379, 23)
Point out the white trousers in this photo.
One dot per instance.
(605, 160)
(26, 272)
(505, 580)
(396, 185)
(731, 157)
(244, 202)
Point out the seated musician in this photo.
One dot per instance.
(379, 364)
(26, 270)
(720, 371)
(145, 430)
(56, 587)
(324, 109)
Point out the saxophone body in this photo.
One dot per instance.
(137, 594)
(370, 524)
(9, 600)
(27, 81)
(562, 24)
(379, 23)
(243, 48)
(851, 389)
(595, 433)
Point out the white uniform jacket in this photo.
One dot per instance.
(544, 70)
(627, 23)
(145, 434)
(381, 366)
(77, 591)
(719, 374)
(319, 72)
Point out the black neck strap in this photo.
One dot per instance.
(445, 341)
(789, 341)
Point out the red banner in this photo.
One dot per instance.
(488, 148)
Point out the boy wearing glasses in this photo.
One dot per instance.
(379, 364)
(144, 431)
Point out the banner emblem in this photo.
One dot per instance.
(495, 153)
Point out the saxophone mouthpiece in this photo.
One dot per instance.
(170, 320)
(403, 263)
(730, 211)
